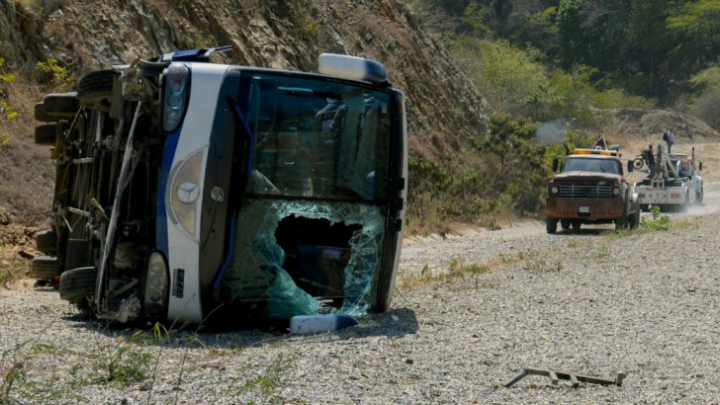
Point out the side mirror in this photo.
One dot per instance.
(630, 166)
(555, 164)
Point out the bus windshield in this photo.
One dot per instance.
(316, 138)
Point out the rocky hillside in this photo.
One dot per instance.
(84, 35)
(446, 112)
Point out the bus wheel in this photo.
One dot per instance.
(76, 284)
(95, 89)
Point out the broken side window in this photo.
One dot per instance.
(305, 257)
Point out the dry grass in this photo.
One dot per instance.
(457, 269)
(26, 171)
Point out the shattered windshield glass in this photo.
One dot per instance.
(317, 138)
(310, 231)
(305, 258)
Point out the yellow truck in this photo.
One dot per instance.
(590, 189)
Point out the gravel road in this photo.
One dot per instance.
(471, 310)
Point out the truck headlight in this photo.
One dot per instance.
(616, 191)
(176, 87)
(185, 192)
(554, 189)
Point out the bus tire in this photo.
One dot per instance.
(46, 241)
(46, 134)
(95, 89)
(77, 284)
(44, 267)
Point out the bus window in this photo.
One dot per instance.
(318, 139)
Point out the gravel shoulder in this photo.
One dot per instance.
(469, 312)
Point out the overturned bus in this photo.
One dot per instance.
(197, 192)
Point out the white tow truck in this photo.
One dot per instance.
(672, 183)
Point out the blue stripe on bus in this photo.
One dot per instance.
(161, 235)
(250, 135)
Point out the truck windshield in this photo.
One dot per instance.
(592, 165)
(316, 138)
(683, 167)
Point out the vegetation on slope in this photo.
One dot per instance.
(544, 66)
(554, 64)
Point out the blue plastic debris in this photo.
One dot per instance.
(309, 324)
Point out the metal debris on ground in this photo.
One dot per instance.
(556, 376)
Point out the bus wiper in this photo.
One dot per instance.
(248, 133)
(251, 140)
(226, 263)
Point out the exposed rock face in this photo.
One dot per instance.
(18, 35)
(445, 111)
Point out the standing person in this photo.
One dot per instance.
(669, 137)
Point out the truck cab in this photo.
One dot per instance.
(590, 189)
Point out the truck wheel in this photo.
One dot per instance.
(76, 284)
(685, 205)
(95, 89)
(551, 225)
(565, 224)
(44, 267)
(699, 197)
(576, 225)
(634, 220)
(622, 221)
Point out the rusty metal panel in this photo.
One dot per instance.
(584, 208)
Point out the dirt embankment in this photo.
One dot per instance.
(444, 107)
(445, 111)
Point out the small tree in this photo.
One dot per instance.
(520, 161)
(53, 73)
(707, 105)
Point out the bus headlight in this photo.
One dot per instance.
(185, 192)
(156, 285)
(176, 86)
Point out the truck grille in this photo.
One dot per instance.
(586, 190)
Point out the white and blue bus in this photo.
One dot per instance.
(201, 192)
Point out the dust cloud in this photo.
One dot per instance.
(552, 132)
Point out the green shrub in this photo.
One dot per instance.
(7, 111)
(54, 74)
(707, 107)
(658, 222)
(512, 79)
